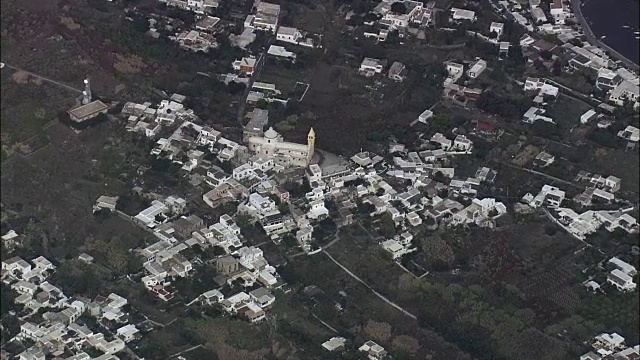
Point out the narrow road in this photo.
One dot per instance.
(325, 324)
(407, 313)
(540, 173)
(252, 79)
(185, 351)
(418, 118)
(337, 238)
(44, 78)
(572, 93)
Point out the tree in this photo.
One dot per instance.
(140, 23)
(438, 176)
(387, 226)
(366, 208)
(235, 88)
(160, 164)
(556, 68)
(515, 61)
(604, 138)
(440, 123)
(398, 8)
(355, 20)
(546, 54)
(369, 17)
(6, 299)
(545, 129)
(76, 277)
(550, 229)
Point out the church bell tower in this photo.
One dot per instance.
(311, 142)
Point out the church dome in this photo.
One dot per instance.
(270, 134)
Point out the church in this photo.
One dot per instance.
(285, 153)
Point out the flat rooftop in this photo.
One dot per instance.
(88, 109)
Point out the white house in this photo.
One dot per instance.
(24, 287)
(266, 17)
(288, 34)
(462, 14)
(462, 143)
(477, 69)
(623, 266)
(373, 350)
(497, 28)
(531, 84)
(334, 344)
(262, 297)
(607, 79)
(534, 114)
(454, 69)
(630, 133)
(558, 12)
(612, 183)
(128, 333)
(370, 66)
(314, 173)
(202, 6)
(438, 138)
(252, 312)
(280, 51)
(212, 297)
(426, 115)
(107, 202)
(621, 280)
(610, 342)
(538, 16)
(550, 195)
(317, 209)
(394, 248)
(625, 91)
(397, 71)
(16, 264)
(587, 116)
(233, 302)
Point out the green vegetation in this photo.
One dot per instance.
(510, 107)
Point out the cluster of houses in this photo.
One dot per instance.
(581, 225)
(611, 346)
(618, 83)
(149, 120)
(59, 332)
(202, 36)
(622, 275)
(370, 348)
(266, 163)
(371, 66)
(165, 260)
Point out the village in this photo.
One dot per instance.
(298, 196)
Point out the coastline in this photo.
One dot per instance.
(592, 39)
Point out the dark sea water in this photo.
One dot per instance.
(608, 18)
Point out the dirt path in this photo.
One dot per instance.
(407, 313)
(44, 78)
(186, 351)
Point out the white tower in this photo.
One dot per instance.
(86, 94)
